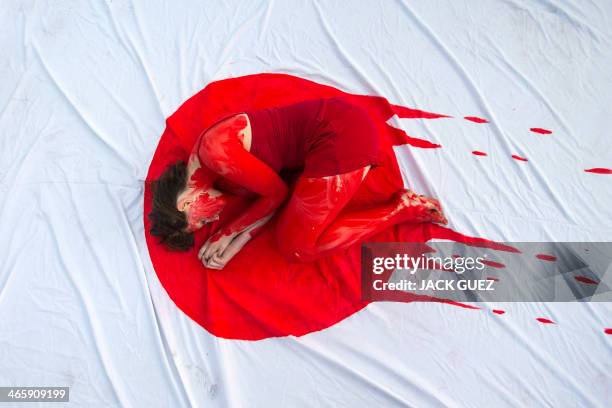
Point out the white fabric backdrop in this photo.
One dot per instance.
(85, 88)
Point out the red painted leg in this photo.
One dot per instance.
(314, 226)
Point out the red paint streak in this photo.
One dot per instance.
(493, 264)
(545, 257)
(544, 320)
(492, 278)
(599, 170)
(475, 119)
(517, 157)
(608, 331)
(409, 113)
(422, 143)
(260, 294)
(446, 233)
(204, 207)
(478, 153)
(541, 131)
(585, 280)
(498, 311)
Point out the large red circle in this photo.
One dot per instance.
(259, 294)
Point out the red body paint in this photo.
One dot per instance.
(260, 294)
(599, 170)
(541, 131)
(201, 178)
(517, 157)
(221, 150)
(314, 224)
(544, 320)
(545, 257)
(409, 113)
(478, 153)
(475, 119)
(585, 280)
(205, 206)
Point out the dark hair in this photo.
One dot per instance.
(167, 221)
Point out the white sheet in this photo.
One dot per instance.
(85, 89)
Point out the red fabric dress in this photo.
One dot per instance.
(323, 137)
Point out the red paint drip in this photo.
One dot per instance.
(585, 280)
(409, 113)
(599, 170)
(545, 257)
(493, 264)
(422, 143)
(478, 153)
(475, 119)
(517, 157)
(259, 294)
(544, 320)
(608, 330)
(541, 131)
(498, 311)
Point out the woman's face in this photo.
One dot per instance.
(200, 205)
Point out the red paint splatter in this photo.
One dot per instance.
(541, 131)
(498, 311)
(493, 264)
(544, 320)
(545, 257)
(517, 157)
(475, 119)
(446, 233)
(599, 170)
(585, 280)
(422, 143)
(259, 294)
(608, 331)
(478, 153)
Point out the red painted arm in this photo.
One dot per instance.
(225, 155)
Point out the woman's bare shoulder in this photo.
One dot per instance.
(231, 127)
